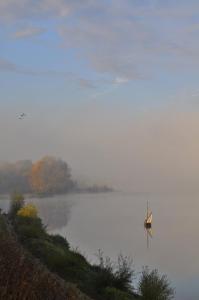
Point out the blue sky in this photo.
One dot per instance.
(93, 67)
(151, 47)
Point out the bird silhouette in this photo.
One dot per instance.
(22, 116)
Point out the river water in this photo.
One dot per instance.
(113, 222)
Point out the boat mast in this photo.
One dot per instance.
(147, 210)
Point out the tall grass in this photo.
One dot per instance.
(24, 278)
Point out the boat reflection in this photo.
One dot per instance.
(149, 234)
(148, 225)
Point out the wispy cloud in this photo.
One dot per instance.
(119, 39)
(28, 32)
(86, 83)
(123, 39)
(108, 47)
(8, 66)
(13, 10)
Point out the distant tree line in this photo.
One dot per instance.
(46, 176)
(94, 189)
(49, 175)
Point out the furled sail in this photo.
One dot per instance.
(149, 218)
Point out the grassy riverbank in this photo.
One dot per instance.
(30, 240)
(46, 267)
(24, 277)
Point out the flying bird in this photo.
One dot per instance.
(22, 116)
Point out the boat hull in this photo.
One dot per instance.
(147, 225)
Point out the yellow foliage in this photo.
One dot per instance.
(50, 175)
(36, 179)
(28, 210)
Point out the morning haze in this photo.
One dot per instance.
(99, 127)
(138, 151)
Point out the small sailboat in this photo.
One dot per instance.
(149, 217)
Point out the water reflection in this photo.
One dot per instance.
(54, 213)
(149, 235)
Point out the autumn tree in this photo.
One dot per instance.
(50, 175)
(29, 210)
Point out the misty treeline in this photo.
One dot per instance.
(48, 175)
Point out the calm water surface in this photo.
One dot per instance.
(113, 222)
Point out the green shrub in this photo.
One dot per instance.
(102, 278)
(59, 240)
(29, 228)
(17, 202)
(152, 286)
(109, 274)
(111, 293)
(76, 267)
(78, 257)
(124, 274)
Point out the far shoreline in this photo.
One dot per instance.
(89, 190)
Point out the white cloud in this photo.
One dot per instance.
(120, 80)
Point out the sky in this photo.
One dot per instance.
(109, 86)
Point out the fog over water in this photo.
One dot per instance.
(139, 151)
